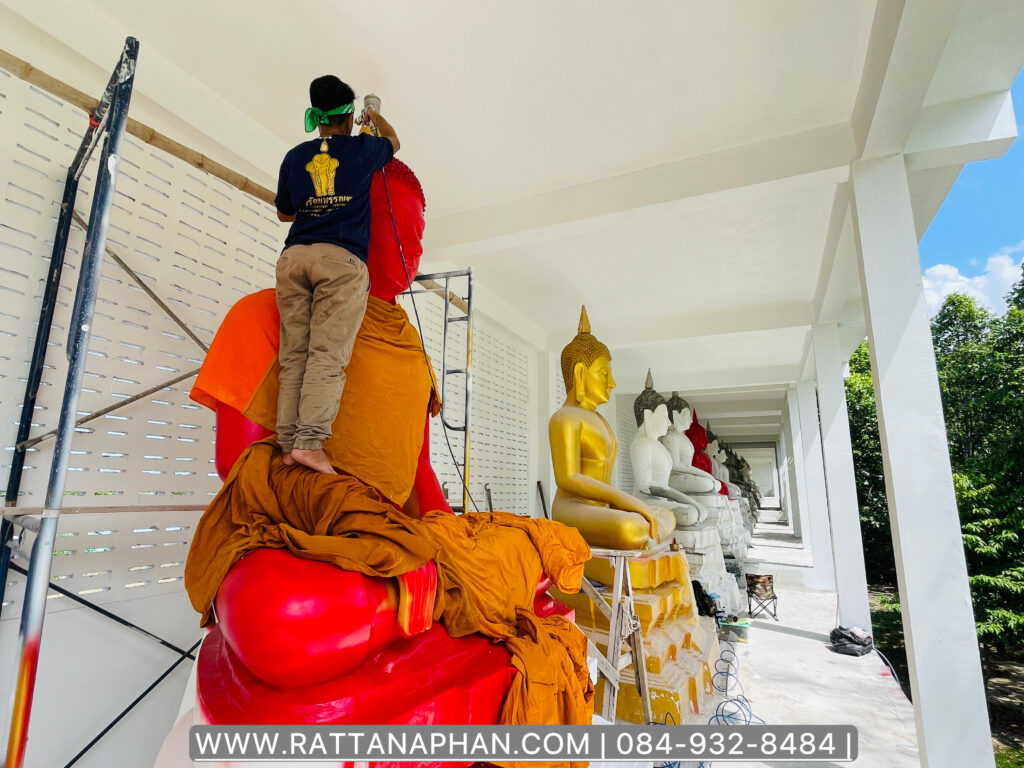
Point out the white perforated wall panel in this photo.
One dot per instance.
(625, 430)
(108, 557)
(199, 243)
(499, 424)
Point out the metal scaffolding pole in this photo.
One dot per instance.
(114, 108)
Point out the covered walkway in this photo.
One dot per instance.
(791, 675)
(735, 191)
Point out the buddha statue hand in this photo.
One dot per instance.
(669, 493)
(647, 511)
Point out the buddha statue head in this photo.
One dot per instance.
(651, 410)
(679, 412)
(587, 368)
(712, 448)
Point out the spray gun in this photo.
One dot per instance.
(369, 102)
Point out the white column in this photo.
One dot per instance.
(794, 465)
(782, 471)
(847, 547)
(823, 574)
(938, 619)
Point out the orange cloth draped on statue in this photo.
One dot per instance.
(488, 565)
(378, 432)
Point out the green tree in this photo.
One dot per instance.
(962, 333)
(867, 464)
(980, 362)
(1015, 298)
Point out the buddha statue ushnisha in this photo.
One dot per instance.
(583, 450)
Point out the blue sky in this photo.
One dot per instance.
(976, 241)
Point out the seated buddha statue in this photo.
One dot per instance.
(748, 478)
(685, 477)
(719, 470)
(652, 463)
(583, 450)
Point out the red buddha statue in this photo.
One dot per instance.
(699, 437)
(296, 640)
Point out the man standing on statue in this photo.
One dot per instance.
(322, 280)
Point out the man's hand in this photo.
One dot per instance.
(383, 127)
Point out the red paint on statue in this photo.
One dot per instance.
(430, 679)
(387, 274)
(235, 433)
(699, 437)
(295, 622)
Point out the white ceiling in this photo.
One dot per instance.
(495, 101)
(680, 168)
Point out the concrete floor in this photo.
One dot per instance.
(791, 675)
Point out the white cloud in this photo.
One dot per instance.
(1002, 270)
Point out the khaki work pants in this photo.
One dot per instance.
(321, 297)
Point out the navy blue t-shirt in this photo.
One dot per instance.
(328, 192)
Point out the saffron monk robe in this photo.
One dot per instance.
(321, 591)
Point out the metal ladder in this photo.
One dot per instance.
(623, 626)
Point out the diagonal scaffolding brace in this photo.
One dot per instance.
(145, 287)
(24, 446)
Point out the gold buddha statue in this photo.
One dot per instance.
(583, 450)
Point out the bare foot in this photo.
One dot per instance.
(287, 459)
(314, 460)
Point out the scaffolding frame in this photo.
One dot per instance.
(108, 116)
(430, 284)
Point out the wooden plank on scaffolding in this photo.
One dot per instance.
(25, 71)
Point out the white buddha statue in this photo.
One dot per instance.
(718, 459)
(684, 476)
(652, 462)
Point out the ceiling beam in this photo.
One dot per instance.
(837, 218)
(645, 332)
(726, 422)
(741, 435)
(980, 128)
(722, 412)
(688, 379)
(814, 156)
(906, 43)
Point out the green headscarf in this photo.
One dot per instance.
(316, 116)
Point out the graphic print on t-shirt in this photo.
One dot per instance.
(321, 170)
